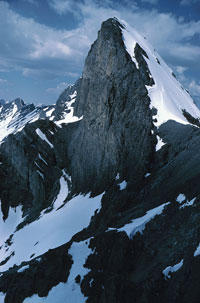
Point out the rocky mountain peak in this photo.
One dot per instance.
(100, 193)
(19, 102)
(114, 104)
(2, 101)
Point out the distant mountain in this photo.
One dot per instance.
(100, 193)
(2, 101)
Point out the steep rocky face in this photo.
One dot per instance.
(116, 127)
(100, 193)
(31, 166)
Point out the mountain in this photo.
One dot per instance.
(100, 193)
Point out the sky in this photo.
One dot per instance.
(44, 42)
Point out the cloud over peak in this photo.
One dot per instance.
(40, 51)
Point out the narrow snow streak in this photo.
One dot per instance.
(188, 203)
(41, 174)
(63, 193)
(170, 269)
(138, 225)
(23, 268)
(43, 137)
(40, 157)
(197, 251)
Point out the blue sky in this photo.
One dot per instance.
(44, 42)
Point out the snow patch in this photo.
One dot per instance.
(66, 175)
(8, 226)
(49, 112)
(23, 268)
(69, 117)
(188, 203)
(41, 174)
(147, 175)
(197, 251)
(72, 96)
(117, 177)
(180, 198)
(123, 185)
(63, 193)
(41, 158)
(130, 43)
(2, 297)
(51, 229)
(159, 144)
(70, 290)
(138, 225)
(12, 121)
(43, 137)
(170, 269)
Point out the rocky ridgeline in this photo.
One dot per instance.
(110, 150)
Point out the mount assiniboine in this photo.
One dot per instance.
(100, 195)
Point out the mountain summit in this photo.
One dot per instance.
(100, 193)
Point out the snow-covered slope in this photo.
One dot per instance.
(67, 115)
(15, 115)
(49, 231)
(92, 210)
(167, 94)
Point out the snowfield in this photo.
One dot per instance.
(50, 230)
(70, 290)
(167, 95)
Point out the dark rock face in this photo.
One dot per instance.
(31, 168)
(115, 136)
(2, 101)
(116, 122)
(52, 268)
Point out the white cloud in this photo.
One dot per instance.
(190, 84)
(181, 69)
(153, 2)
(185, 51)
(188, 2)
(43, 52)
(31, 47)
(172, 39)
(58, 89)
(72, 75)
(61, 6)
(33, 2)
(3, 81)
(194, 88)
(50, 48)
